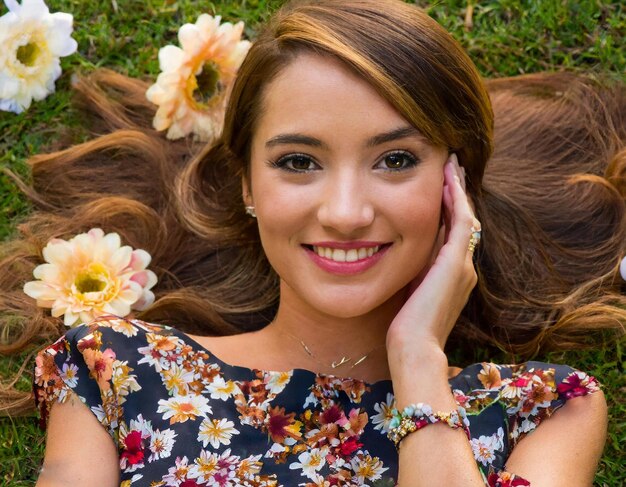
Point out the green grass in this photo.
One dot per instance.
(508, 37)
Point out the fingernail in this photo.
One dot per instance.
(453, 159)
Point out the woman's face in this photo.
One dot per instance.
(347, 193)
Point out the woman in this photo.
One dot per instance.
(354, 149)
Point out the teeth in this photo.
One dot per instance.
(341, 255)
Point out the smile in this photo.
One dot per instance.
(343, 255)
(344, 258)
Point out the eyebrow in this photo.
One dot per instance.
(294, 139)
(399, 133)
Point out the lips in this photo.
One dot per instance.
(346, 257)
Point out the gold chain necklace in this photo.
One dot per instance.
(335, 363)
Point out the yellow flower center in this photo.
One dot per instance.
(93, 279)
(28, 53)
(204, 86)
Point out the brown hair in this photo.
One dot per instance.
(551, 203)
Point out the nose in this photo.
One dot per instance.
(345, 203)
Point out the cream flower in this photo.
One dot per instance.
(195, 81)
(32, 41)
(216, 431)
(91, 275)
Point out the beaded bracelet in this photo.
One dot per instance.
(416, 416)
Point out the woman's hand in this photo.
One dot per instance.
(439, 294)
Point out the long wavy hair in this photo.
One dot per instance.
(551, 200)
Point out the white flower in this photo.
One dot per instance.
(310, 462)
(367, 467)
(92, 275)
(178, 473)
(485, 447)
(222, 467)
(216, 431)
(195, 81)
(182, 408)
(32, 41)
(69, 374)
(277, 381)
(384, 414)
(161, 443)
(220, 389)
(176, 379)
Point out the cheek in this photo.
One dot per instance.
(281, 216)
(420, 207)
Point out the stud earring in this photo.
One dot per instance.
(250, 211)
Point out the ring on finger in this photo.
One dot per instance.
(475, 237)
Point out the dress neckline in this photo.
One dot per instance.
(293, 372)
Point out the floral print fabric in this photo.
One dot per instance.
(181, 417)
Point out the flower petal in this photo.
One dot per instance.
(171, 58)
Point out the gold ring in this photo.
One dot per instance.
(475, 238)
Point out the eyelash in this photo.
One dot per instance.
(283, 161)
(413, 160)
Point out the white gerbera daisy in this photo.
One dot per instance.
(161, 444)
(367, 467)
(277, 381)
(179, 409)
(195, 81)
(384, 414)
(92, 275)
(485, 447)
(221, 389)
(216, 431)
(310, 462)
(32, 41)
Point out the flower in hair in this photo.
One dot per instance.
(33, 40)
(196, 79)
(91, 275)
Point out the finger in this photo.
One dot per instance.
(462, 216)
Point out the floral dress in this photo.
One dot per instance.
(181, 417)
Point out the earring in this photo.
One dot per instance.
(250, 211)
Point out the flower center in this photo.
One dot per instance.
(207, 83)
(27, 54)
(92, 280)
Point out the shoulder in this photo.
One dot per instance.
(528, 393)
(569, 444)
(516, 381)
(84, 360)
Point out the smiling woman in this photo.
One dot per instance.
(318, 258)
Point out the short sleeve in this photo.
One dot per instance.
(543, 389)
(77, 365)
(505, 403)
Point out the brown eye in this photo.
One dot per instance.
(301, 163)
(397, 161)
(296, 163)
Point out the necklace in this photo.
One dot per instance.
(335, 363)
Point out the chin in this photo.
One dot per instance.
(352, 305)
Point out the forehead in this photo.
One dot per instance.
(321, 94)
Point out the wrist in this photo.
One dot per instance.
(408, 360)
(421, 378)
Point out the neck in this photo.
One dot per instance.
(331, 338)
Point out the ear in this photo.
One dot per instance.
(246, 192)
